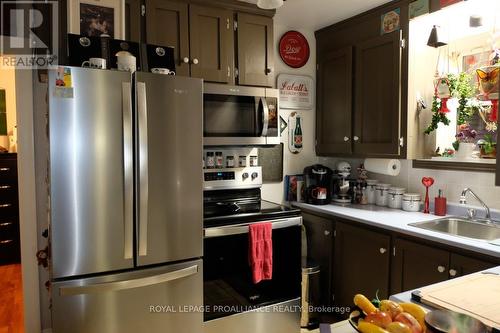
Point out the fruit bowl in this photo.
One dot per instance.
(354, 317)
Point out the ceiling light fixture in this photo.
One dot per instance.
(269, 4)
(436, 37)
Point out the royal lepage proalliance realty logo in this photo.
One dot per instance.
(29, 34)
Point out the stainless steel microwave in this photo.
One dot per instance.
(240, 116)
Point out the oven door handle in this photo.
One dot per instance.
(244, 228)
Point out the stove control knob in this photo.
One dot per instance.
(255, 175)
(244, 175)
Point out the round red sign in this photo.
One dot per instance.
(294, 49)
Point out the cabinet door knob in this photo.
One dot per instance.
(441, 269)
(186, 60)
(356, 138)
(346, 138)
(327, 232)
(269, 71)
(383, 250)
(195, 61)
(6, 241)
(453, 272)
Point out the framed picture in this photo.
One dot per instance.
(418, 8)
(97, 17)
(390, 21)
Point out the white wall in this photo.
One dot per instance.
(294, 163)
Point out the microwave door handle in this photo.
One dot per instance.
(143, 168)
(265, 116)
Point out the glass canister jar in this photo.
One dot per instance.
(370, 190)
(381, 194)
(411, 202)
(395, 197)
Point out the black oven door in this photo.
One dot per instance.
(227, 278)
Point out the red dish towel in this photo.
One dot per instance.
(260, 251)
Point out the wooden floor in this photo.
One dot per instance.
(11, 299)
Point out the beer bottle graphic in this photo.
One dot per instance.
(297, 134)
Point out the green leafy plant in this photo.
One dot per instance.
(488, 145)
(461, 88)
(437, 117)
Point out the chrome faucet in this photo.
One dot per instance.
(472, 214)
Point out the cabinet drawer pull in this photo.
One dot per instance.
(6, 241)
(327, 232)
(4, 169)
(186, 60)
(195, 61)
(5, 224)
(356, 138)
(441, 269)
(5, 187)
(5, 205)
(453, 272)
(346, 138)
(383, 250)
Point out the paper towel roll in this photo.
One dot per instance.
(383, 166)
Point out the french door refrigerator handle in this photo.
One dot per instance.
(244, 228)
(93, 288)
(143, 168)
(265, 120)
(128, 167)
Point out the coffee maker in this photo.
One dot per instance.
(318, 184)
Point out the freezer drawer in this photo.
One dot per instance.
(149, 300)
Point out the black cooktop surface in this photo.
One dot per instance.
(268, 210)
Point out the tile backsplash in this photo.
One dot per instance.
(451, 182)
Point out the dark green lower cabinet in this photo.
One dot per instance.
(362, 261)
(416, 265)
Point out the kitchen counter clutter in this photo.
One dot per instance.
(398, 221)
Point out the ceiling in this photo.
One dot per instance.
(316, 14)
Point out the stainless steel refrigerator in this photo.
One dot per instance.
(126, 202)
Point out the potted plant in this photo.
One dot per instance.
(488, 147)
(465, 141)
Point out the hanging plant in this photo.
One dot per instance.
(437, 116)
(461, 88)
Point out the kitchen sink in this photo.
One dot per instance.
(459, 226)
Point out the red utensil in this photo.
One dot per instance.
(428, 182)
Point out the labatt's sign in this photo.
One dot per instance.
(295, 91)
(294, 88)
(294, 49)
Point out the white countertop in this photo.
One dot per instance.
(398, 220)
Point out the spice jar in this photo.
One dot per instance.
(230, 161)
(395, 197)
(253, 161)
(371, 185)
(219, 160)
(411, 202)
(382, 195)
(210, 160)
(242, 161)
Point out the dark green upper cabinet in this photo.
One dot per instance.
(363, 112)
(167, 24)
(377, 98)
(334, 96)
(211, 43)
(255, 50)
(133, 20)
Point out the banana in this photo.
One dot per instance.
(416, 311)
(364, 304)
